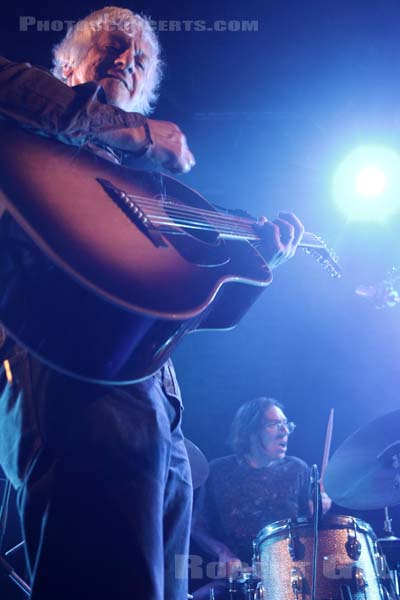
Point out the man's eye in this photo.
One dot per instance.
(139, 63)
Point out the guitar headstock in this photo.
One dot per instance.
(325, 256)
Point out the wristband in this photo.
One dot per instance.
(148, 142)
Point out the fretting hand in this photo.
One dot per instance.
(279, 238)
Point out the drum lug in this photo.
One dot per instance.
(359, 578)
(353, 546)
(295, 546)
(380, 564)
(260, 593)
(255, 561)
(296, 580)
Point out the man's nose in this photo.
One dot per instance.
(126, 60)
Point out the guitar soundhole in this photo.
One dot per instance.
(196, 236)
(196, 241)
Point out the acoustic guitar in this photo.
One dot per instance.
(104, 269)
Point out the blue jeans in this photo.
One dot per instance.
(106, 502)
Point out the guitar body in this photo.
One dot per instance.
(105, 292)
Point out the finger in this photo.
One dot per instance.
(188, 161)
(181, 165)
(286, 231)
(296, 223)
(190, 158)
(271, 236)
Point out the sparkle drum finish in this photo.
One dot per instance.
(349, 566)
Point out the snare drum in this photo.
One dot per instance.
(348, 563)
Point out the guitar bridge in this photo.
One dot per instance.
(132, 210)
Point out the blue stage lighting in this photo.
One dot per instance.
(366, 185)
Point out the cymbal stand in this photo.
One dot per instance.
(389, 535)
(387, 524)
(317, 506)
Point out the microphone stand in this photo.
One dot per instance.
(316, 501)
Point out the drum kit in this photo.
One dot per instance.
(350, 563)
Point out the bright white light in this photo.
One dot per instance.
(370, 181)
(366, 185)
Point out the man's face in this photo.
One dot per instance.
(119, 63)
(274, 434)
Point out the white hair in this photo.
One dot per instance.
(75, 45)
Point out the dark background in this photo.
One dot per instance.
(269, 115)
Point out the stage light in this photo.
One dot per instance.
(370, 181)
(366, 185)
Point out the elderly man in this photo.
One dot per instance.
(253, 487)
(104, 483)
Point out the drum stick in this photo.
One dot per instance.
(327, 447)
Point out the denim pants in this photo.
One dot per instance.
(106, 501)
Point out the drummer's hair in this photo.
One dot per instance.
(248, 421)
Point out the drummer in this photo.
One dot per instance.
(249, 489)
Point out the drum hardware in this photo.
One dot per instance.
(345, 593)
(243, 586)
(296, 548)
(381, 566)
(260, 593)
(353, 546)
(316, 496)
(338, 576)
(386, 594)
(296, 579)
(359, 578)
(388, 558)
(389, 553)
(387, 524)
(255, 561)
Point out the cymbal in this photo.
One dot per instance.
(391, 539)
(198, 464)
(391, 549)
(364, 472)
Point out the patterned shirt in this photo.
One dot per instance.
(238, 500)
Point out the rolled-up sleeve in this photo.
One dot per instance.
(36, 99)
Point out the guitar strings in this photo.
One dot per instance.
(185, 210)
(243, 225)
(230, 224)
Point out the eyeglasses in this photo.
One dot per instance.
(281, 425)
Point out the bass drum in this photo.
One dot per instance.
(349, 566)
